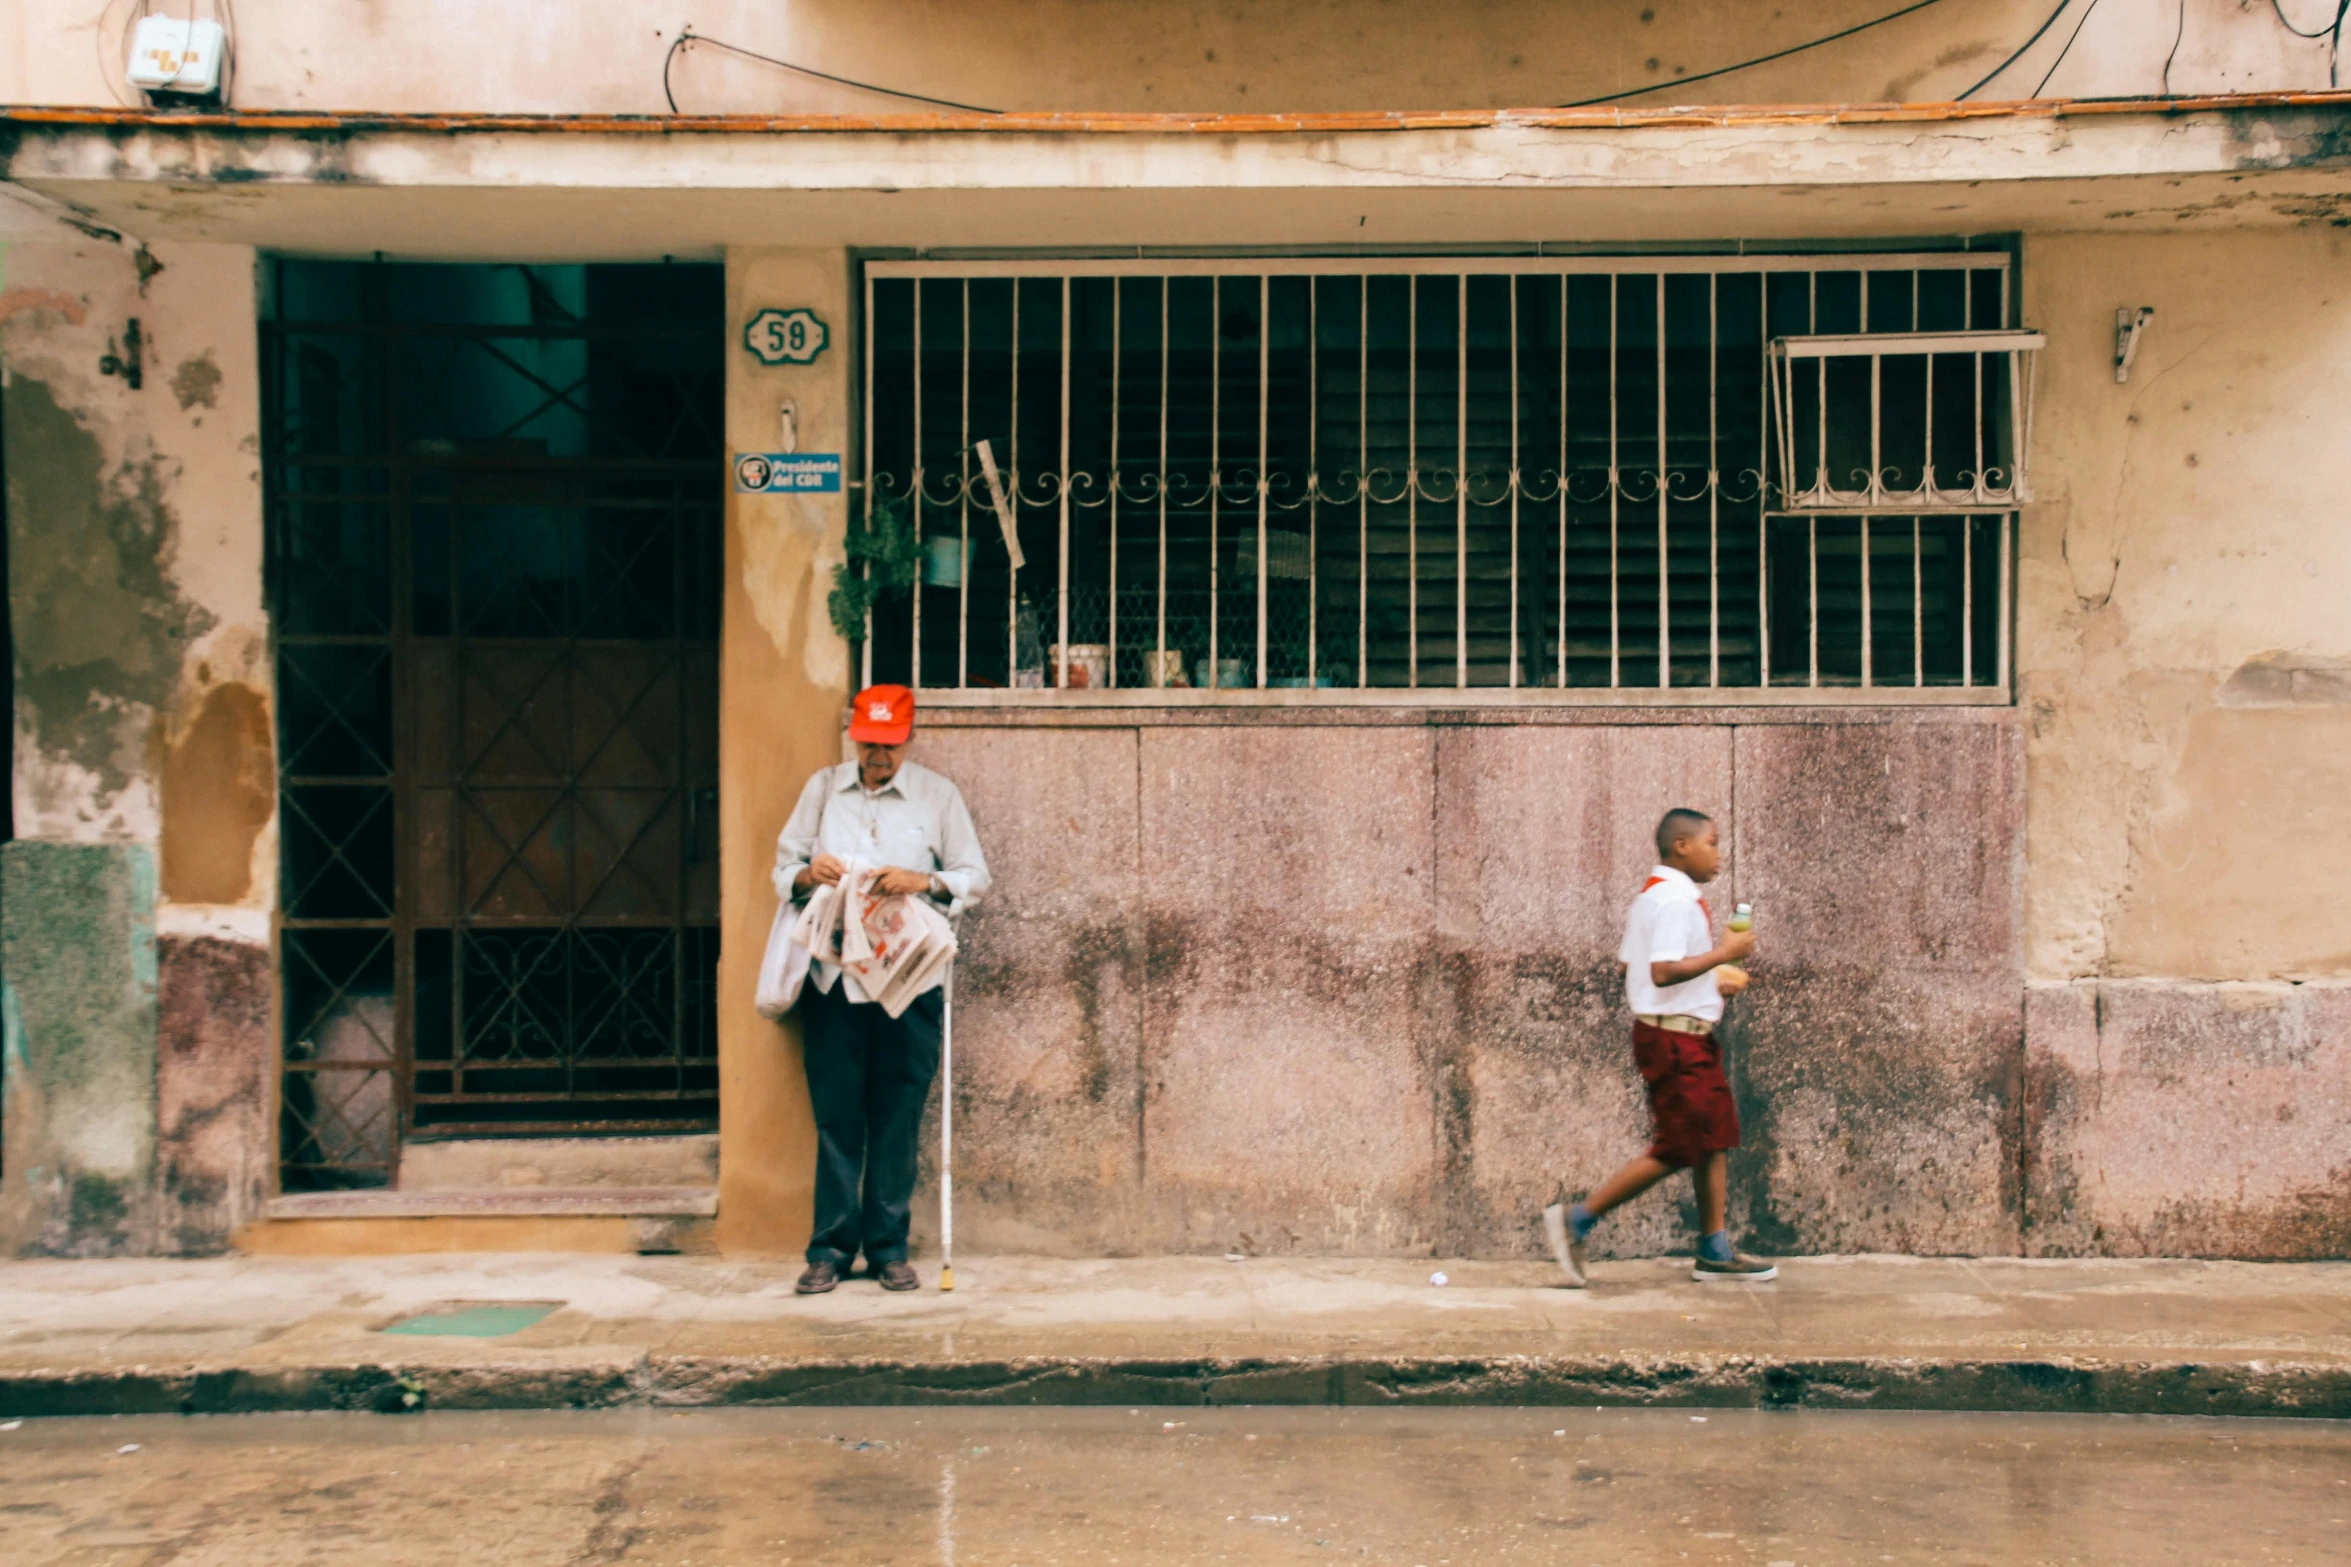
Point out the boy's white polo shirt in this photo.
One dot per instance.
(1668, 923)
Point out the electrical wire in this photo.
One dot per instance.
(2332, 33)
(1761, 59)
(2287, 22)
(2178, 33)
(2068, 49)
(2046, 23)
(689, 36)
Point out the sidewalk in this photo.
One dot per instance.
(255, 1333)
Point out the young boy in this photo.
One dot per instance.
(1676, 977)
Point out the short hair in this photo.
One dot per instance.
(1675, 825)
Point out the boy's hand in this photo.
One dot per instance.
(1736, 945)
(1729, 981)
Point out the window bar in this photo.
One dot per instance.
(1313, 479)
(2000, 631)
(1870, 488)
(1012, 478)
(1820, 387)
(1967, 600)
(1412, 483)
(1159, 672)
(1664, 492)
(1061, 582)
(1713, 483)
(1563, 467)
(963, 509)
(916, 498)
(865, 642)
(1615, 288)
(1812, 550)
(1918, 614)
(1118, 290)
(1764, 447)
(1820, 476)
(1362, 484)
(1215, 461)
(1867, 670)
(1264, 458)
(1513, 285)
(1461, 483)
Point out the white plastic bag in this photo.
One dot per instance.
(783, 969)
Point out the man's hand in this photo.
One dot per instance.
(1736, 944)
(1730, 980)
(896, 883)
(823, 871)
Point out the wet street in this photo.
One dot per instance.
(1421, 1488)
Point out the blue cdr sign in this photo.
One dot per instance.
(788, 473)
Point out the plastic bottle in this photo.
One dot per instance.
(1742, 917)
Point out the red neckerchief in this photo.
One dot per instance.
(1702, 908)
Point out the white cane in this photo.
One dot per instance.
(947, 1136)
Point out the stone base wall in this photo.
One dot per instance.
(2173, 1119)
(1345, 981)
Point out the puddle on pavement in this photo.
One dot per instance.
(475, 1318)
(983, 1487)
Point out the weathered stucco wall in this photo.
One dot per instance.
(1350, 986)
(2184, 665)
(1118, 54)
(783, 685)
(143, 696)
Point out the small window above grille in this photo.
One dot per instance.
(1902, 421)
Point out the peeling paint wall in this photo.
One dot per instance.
(2182, 661)
(143, 692)
(1119, 54)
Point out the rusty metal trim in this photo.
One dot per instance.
(309, 121)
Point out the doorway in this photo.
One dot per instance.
(495, 511)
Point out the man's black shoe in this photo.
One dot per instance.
(897, 1275)
(819, 1279)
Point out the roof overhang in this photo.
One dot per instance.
(583, 187)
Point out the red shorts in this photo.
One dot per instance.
(1690, 1109)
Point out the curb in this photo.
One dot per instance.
(2309, 1390)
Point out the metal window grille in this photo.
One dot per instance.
(494, 530)
(1397, 475)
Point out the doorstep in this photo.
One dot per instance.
(594, 1219)
(538, 1202)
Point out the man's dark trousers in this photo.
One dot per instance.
(868, 1077)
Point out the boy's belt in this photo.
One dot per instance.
(1677, 1023)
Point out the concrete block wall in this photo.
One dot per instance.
(1350, 985)
(2171, 1120)
(77, 947)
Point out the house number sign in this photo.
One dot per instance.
(785, 337)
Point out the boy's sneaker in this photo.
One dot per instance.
(1565, 1247)
(1741, 1269)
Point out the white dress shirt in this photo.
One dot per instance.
(917, 822)
(1668, 923)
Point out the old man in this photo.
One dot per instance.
(869, 1074)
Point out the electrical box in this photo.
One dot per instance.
(169, 54)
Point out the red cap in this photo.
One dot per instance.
(881, 715)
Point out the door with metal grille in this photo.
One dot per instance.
(495, 511)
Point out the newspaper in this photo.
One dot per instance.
(898, 947)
